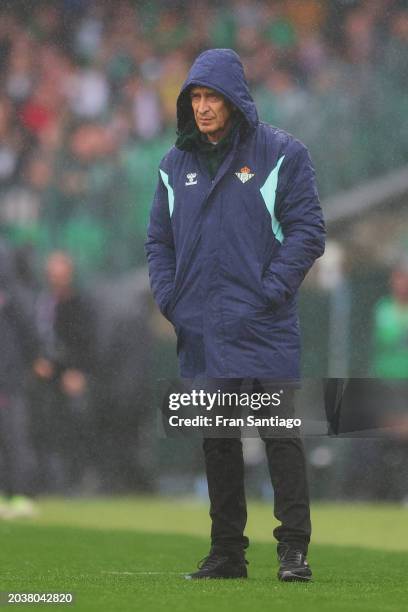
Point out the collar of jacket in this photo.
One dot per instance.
(191, 139)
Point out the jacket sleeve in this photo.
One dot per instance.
(160, 248)
(19, 311)
(300, 216)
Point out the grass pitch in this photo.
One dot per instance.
(131, 554)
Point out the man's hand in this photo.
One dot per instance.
(73, 383)
(43, 368)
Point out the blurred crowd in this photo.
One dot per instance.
(87, 104)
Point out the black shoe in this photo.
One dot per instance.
(293, 564)
(221, 565)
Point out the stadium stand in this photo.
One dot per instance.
(87, 104)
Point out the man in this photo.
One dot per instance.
(390, 354)
(235, 226)
(19, 349)
(64, 370)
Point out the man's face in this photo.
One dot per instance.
(60, 271)
(399, 286)
(212, 112)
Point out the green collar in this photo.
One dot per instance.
(191, 139)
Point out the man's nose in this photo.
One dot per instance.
(203, 106)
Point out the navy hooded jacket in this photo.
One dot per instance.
(227, 256)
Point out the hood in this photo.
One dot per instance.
(219, 69)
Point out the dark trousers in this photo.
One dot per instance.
(225, 476)
(16, 448)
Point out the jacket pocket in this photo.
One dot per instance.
(269, 305)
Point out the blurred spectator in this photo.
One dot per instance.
(10, 143)
(19, 348)
(390, 357)
(64, 370)
(281, 97)
(146, 117)
(376, 468)
(396, 50)
(359, 35)
(89, 95)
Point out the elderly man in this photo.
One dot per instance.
(235, 226)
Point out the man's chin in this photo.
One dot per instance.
(206, 129)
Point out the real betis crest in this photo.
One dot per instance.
(244, 174)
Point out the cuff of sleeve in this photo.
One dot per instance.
(165, 305)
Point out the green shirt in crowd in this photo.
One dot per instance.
(390, 359)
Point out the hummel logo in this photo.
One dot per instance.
(244, 174)
(191, 178)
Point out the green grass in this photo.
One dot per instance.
(130, 554)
